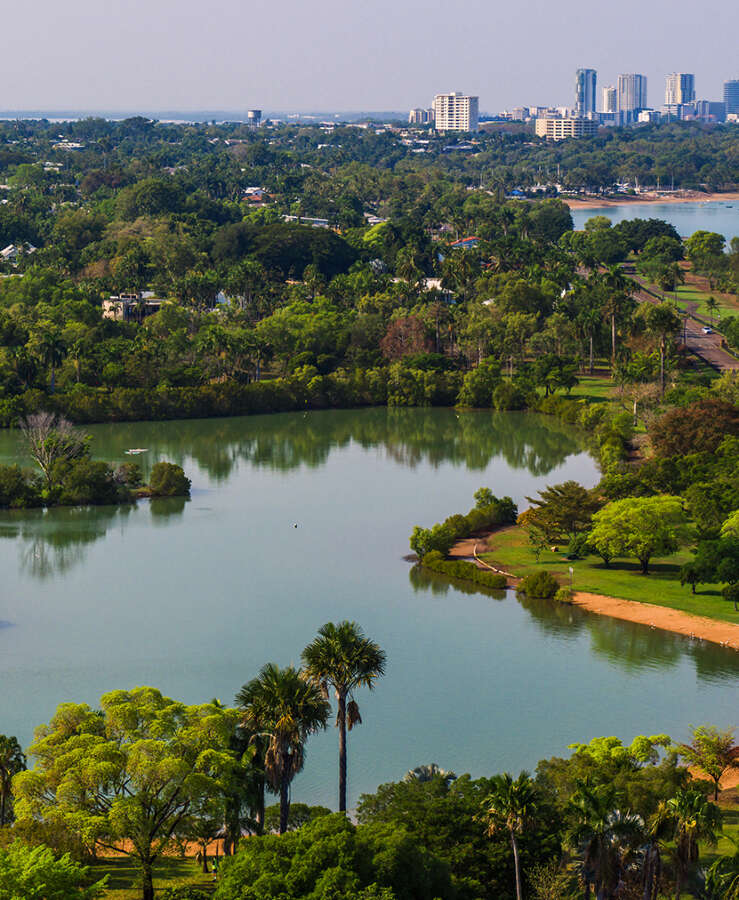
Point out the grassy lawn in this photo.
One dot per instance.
(510, 551)
(596, 388)
(124, 881)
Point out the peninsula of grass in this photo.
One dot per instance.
(509, 550)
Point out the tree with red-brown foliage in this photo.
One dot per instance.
(699, 427)
(404, 337)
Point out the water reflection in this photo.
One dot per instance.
(632, 647)
(287, 441)
(54, 541)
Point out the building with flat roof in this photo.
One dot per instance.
(420, 116)
(585, 82)
(559, 128)
(610, 99)
(731, 96)
(456, 112)
(679, 88)
(631, 92)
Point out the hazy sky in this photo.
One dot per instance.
(347, 54)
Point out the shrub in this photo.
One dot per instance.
(443, 536)
(563, 595)
(507, 396)
(540, 585)
(16, 489)
(168, 480)
(183, 892)
(88, 482)
(465, 571)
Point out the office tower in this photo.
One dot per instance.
(631, 93)
(610, 99)
(455, 112)
(731, 96)
(679, 88)
(585, 80)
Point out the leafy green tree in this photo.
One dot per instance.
(51, 349)
(331, 857)
(640, 526)
(713, 752)
(479, 384)
(563, 510)
(300, 814)
(127, 776)
(287, 708)
(511, 805)
(34, 873)
(12, 761)
(483, 497)
(342, 659)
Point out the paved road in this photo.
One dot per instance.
(706, 346)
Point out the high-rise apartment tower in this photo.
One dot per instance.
(585, 81)
(610, 99)
(632, 93)
(455, 112)
(679, 88)
(731, 96)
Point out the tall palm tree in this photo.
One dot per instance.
(601, 831)
(12, 761)
(287, 708)
(343, 659)
(618, 300)
(695, 819)
(51, 350)
(511, 806)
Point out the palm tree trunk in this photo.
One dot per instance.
(3, 795)
(613, 338)
(341, 721)
(53, 378)
(259, 817)
(284, 803)
(662, 365)
(591, 353)
(517, 866)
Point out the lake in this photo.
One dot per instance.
(719, 216)
(193, 597)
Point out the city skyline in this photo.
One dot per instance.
(334, 56)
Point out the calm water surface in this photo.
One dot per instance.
(194, 597)
(719, 216)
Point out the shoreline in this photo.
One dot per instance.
(652, 199)
(726, 634)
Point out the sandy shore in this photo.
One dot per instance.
(724, 633)
(661, 617)
(647, 199)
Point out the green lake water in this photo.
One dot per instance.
(193, 597)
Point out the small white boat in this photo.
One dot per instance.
(134, 450)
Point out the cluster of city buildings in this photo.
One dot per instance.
(623, 103)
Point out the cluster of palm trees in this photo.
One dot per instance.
(282, 707)
(611, 844)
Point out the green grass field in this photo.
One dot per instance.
(598, 388)
(510, 550)
(124, 881)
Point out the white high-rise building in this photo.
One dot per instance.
(585, 81)
(456, 112)
(610, 99)
(679, 88)
(631, 93)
